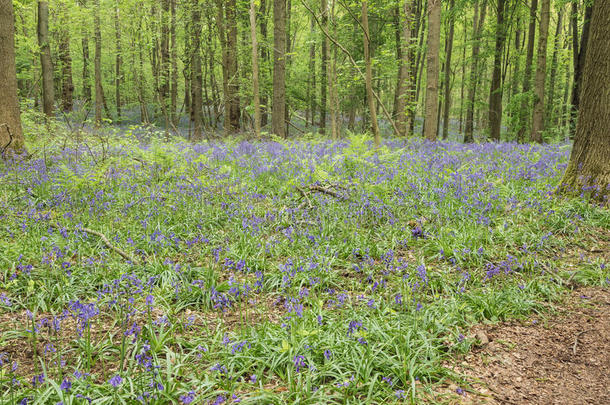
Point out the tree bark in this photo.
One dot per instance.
(48, 91)
(11, 134)
(527, 73)
(255, 84)
(311, 79)
(495, 91)
(118, 61)
(263, 13)
(85, 48)
(588, 170)
(405, 68)
(432, 58)
(174, 64)
(538, 114)
(67, 88)
(579, 67)
(551, 111)
(479, 20)
(97, 65)
(324, 68)
(448, 52)
(278, 113)
(369, 74)
(196, 79)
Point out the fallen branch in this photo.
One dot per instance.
(103, 238)
(327, 191)
(576, 339)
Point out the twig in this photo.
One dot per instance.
(304, 193)
(576, 339)
(103, 238)
(323, 190)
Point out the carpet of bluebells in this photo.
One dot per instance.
(274, 272)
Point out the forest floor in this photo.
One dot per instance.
(562, 358)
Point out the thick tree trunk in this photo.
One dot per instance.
(588, 170)
(579, 67)
(118, 60)
(527, 73)
(48, 91)
(311, 79)
(370, 98)
(447, 92)
(263, 13)
(196, 79)
(11, 134)
(97, 65)
(278, 113)
(432, 58)
(495, 91)
(479, 20)
(255, 84)
(539, 83)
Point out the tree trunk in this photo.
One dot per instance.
(332, 79)
(255, 85)
(48, 91)
(369, 74)
(432, 60)
(479, 20)
(118, 61)
(263, 13)
(324, 68)
(196, 79)
(11, 134)
(527, 73)
(85, 48)
(495, 91)
(405, 75)
(165, 63)
(538, 114)
(579, 67)
(174, 64)
(311, 79)
(588, 170)
(278, 113)
(448, 52)
(67, 88)
(551, 111)
(97, 65)
(227, 25)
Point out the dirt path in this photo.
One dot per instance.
(564, 359)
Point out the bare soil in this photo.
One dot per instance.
(561, 359)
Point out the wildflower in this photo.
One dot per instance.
(188, 397)
(328, 354)
(66, 385)
(116, 381)
(253, 378)
(299, 363)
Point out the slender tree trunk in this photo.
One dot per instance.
(463, 81)
(432, 61)
(11, 134)
(232, 70)
(48, 91)
(255, 84)
(324, 68)
(579, 67)
(527, 73)
(85, 48)
(263, 14)
(369, 74)
(311, 79)
(479, 21)
(588, 170)
(66, 62)
(551, 112)
(538, 114)
(278, 122)
(196, 79)
(405, 76)
(332, 79)
(174, 64)
(447, 92)
(118, 60)
(495, 91)
(97, 65)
